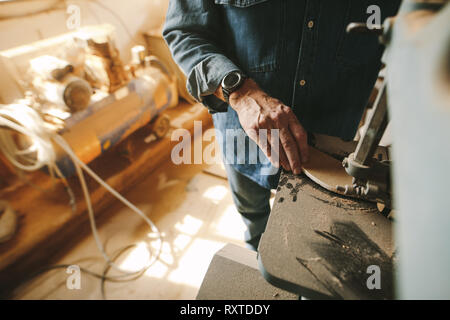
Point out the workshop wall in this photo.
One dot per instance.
(136, 15)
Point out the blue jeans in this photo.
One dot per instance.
(252, 202)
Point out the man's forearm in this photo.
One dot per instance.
(188, 30)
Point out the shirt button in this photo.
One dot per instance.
(302, 82)
(310, 24)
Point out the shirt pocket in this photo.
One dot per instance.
(254, 33)
(355, 50)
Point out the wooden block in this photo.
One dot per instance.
(326, 171)
(233, 275)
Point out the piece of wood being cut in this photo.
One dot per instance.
(326, 171)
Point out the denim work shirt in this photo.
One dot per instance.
(297, 51)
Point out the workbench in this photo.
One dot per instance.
(321, 245)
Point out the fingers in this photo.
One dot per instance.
(269, 144)
(289, 134)
(290, 147)
(277, 154)
(284, 161)
(301, 137)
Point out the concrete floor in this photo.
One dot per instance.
(195, 213)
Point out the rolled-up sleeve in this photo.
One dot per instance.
(192, 32)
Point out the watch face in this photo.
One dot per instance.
(231, 80)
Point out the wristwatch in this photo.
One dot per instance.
(231, 82)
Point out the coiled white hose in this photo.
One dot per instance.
(40, 153)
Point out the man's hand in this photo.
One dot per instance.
(257, 110)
